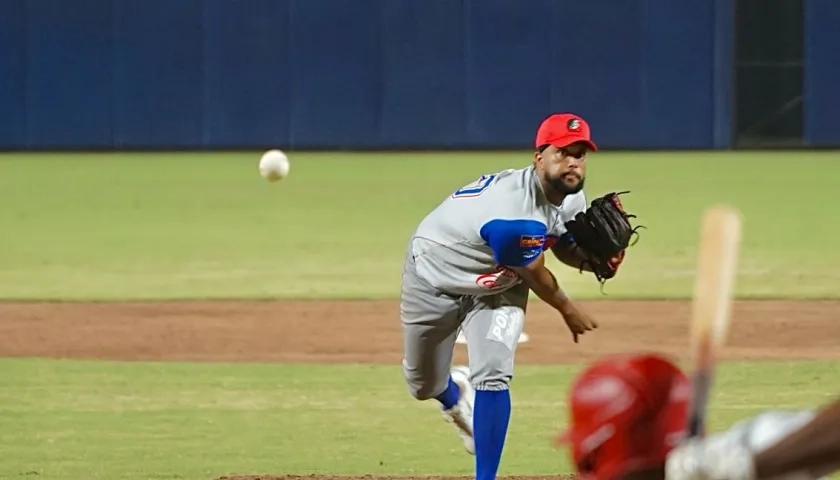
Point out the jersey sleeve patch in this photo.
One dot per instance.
(515, 243)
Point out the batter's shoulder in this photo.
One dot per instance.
(760, 431)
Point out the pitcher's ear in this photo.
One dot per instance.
(538, 153)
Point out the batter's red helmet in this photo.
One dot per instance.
(626, 414)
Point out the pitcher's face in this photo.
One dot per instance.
(564, 169)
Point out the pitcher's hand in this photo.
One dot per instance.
(578, 321)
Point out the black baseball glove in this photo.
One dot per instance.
(602, 233)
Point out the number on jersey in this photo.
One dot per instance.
(475, 188)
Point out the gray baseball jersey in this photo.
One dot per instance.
(727, 454)
(501, 220)
(763, 431)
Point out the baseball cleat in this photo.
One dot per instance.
(461, 415)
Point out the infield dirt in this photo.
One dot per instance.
(369, 332)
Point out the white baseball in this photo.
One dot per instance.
(274, 165)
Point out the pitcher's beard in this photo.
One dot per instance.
(560, 186)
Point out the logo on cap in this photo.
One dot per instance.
(573, 125)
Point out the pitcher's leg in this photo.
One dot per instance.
(430, 321)
(492, 328)
(428, 343)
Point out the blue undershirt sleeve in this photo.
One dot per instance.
(515, 243)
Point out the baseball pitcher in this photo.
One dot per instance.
(470, 264)
(628, 417)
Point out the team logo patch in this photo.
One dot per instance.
(531, 241)
(500, 277)
(573, 125)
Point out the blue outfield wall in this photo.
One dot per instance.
(374, 73)
(821, 85)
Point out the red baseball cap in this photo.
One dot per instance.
(564, 129)
(626, 414)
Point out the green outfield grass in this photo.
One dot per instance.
(86, 420)
(167, 226)
(111, 226)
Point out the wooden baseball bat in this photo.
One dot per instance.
(717, 258)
